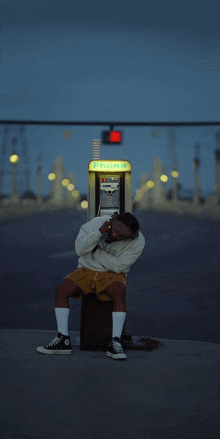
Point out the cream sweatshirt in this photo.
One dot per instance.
(117, 256)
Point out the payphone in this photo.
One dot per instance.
(109, 187)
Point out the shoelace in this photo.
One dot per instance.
(117, 346)
(54, 342)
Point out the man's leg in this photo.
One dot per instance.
(117, 292)
(61, 344)
(63, 292)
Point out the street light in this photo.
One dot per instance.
(51, 176)
(175, 174)
(76, 195)
(70, 187)
(84, 204)
(65, 182)
(164, 178)
(150, 184)
(14, 160)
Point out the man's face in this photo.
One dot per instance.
(120, 231)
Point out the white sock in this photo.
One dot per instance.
(62, 315)
(118, 319)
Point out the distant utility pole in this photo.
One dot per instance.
(196, 163)
(4, 147)
(171, 146)
(9, 136)
(24, 156)
(39, 179)
(14, 158)
(217, 167)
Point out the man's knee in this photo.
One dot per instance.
(116, 289)
(67, 288)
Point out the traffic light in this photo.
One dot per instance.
(111, 137)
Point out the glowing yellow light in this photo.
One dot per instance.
(14, 158)
(150, 183)
(65, 182)
(70, 187)
(175, 174)
(76, 194)
(51, 176)
(164, 178)
(84, 204)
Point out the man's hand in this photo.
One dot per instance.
(105, 227)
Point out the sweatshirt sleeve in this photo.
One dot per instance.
(87, 238)
(118, 264)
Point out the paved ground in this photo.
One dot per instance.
(170, 393)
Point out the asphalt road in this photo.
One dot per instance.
(173, 289)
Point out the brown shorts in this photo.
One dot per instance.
(97, 281)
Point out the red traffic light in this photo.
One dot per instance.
(111, 137)
(115, 136)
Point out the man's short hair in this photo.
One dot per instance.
(129, 220)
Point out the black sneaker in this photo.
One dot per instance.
(60, 345)
(115, 350)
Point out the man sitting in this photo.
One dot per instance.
(107, 247)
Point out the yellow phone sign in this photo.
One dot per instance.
(110, 165)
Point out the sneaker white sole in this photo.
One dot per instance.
(42, 350)
(116, 356)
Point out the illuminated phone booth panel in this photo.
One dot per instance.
(109, 187)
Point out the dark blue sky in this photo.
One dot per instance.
(120, 60)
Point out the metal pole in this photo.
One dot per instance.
(14, 183)
(196, 175)
(14, 173)
(217, 167)
(96, 149)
